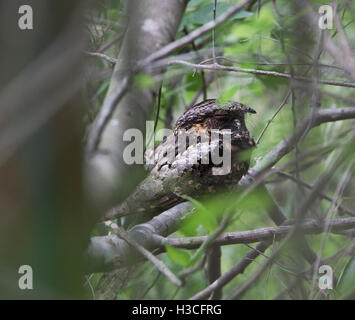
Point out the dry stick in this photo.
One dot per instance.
(164, 61)
(217, 67)
(103, 56)
(195, 34)
(147, 254)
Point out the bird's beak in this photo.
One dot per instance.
(250, 110)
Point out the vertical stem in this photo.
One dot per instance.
(213, 31)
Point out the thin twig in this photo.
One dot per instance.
(273, 116)
(213, 32)
(156, 262)
(217, 67)
(103, 56)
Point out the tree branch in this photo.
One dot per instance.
(262, 234)
(110, 252)
(218, 67)
(195, 34)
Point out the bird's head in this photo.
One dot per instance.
(211, 114)
(232, 110)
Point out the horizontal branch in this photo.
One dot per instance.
(110, 252)
(262, 234)
(218, 67)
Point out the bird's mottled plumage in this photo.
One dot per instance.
(200, 120)
(172, 174)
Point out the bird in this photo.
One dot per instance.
(182, 164)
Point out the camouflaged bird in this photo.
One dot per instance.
(182, 163)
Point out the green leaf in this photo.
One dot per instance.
(205, 217)
(178, 256)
